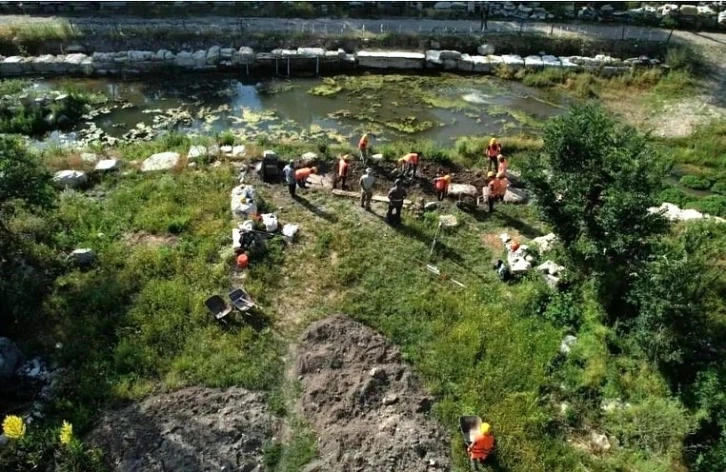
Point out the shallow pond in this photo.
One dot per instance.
(440, 108)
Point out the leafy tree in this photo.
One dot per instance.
(593, 183)
(24, 186)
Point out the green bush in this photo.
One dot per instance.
(226, 138)
(695, 182)
(690, 60)
(713, 205)
(719, 187)
(544, 78)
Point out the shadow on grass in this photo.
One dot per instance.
(504, 219)
(316, 210)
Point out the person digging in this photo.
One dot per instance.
(395, 202)
(366, 189)
(441, 185)
(343, 169)
(497, 189)
(301, 176)
(289, 173)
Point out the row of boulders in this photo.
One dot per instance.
(216, 58)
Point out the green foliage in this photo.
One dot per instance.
(695, 182)
(12, 86)
(689, 60)
(226, 138)
(593, 185)
(545, 78)
(40, 449)
(713, 205)
(293, 456)
(719, 187)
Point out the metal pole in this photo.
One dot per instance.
(317, 66)
(277, 66)
(433, 243)
(288, 67)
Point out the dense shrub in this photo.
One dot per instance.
(695, 182)
(719, 187)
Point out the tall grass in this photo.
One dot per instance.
(46, 30)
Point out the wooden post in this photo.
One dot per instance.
(288, 67)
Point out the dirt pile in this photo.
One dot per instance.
(366, 406)
(193, 429)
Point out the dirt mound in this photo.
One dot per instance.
(367, 407)
(194, 429)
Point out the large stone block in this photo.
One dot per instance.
(184, 59)
(140, 56)
(311, 52)
(214, 55)
(481, 64)
(551, 61)
(390, 59)
(513, 61)
(160, 161)
(533, 63)
(466, 63)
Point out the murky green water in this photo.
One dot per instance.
(393, 107)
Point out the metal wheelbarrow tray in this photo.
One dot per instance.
(217, 307)
(467, 425)
(241, 300)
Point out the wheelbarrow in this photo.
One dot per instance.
(241, 300)
(217, 307)
(469, 426)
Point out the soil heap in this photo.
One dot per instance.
(194, 429)
(366, 406)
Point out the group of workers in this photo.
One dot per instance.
(497, 182)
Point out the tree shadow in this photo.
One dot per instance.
(317, 211)
(506, 220)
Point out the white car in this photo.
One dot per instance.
(722, 18)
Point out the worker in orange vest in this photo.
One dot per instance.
(343, 168)
(493, 150)
(409, 163)
(363, 148)
(301, 175)
(497, 189)
(481, 447)
(503, 164)
(441, 184)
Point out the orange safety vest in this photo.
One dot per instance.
(411, 158)
(481, 447)
(502, 169)
(363, 143)
(442, 183)
(498, 187)
(343, 168)
(302, 174)
(494, 151)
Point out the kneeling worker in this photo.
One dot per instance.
(497, 189)
(301, 175)
(441, 184)
(481, 447)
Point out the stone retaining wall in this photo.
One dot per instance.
(295, 61)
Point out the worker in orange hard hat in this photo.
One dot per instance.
(493, 150)
(441, 185)
(481, 446)
(301, 175)
(409, 163)
(363, 148)
(343, 168)
(497, 188)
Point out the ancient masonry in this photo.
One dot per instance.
(288, 62)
